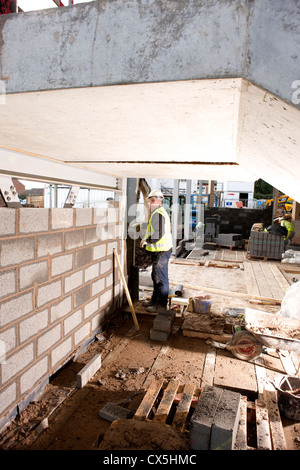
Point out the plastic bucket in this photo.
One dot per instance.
(202, 303)
(289, 403)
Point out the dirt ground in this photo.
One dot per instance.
(67, 418)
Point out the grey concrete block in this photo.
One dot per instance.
(74, 239)
(88, 371)
(62, 264)
(15, 308)
(48, 339)
(159, 335)
(33, 325)
(72, 321)
(112, 412)
(48, 292)
(33, 220)
(33, 375)
(203, 417)
(99, 252)
(7, 221)
(83, 257)
(8, 283)
(226, 421)
(61, 218)
(49, 244)
(17, 362)
(60, 309)
(73, 281)
(31, 273)
(16, 251)
(83, 216)
(162, 323)
(82, 296)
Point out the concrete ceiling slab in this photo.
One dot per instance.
(221, 129)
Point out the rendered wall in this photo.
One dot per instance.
(57, 285)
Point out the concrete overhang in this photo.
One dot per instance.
(221, 129)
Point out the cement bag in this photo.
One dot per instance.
(290, 305)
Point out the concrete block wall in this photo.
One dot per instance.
(58, 281)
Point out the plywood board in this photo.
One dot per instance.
(234, 374)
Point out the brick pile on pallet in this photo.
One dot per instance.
(266, 245)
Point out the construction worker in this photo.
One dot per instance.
(287, 223)
(158, 242)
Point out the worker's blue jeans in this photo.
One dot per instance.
(160, 277)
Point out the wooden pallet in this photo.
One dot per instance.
(169, 405)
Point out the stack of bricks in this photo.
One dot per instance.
(162, 325)
(215, 420)
(58, 281)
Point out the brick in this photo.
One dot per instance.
(74, 239)
(62, 264)
(107, 232)
(91, 308)
(33, 220)
(8, 340)
(83, 257)
(73, 281)
(8, 396)
(97, 320)
(113, 412)
(7, 221)
(203, 417)
(61, 218)
(105, 298)
(17, 250)
(60, 309)
(48, 292)
(84, 216)
(111, 246)
(159, 335)
(34, 375)
(49, 244)
(91, 272)
(91, 235)
(15, 308)
(98, 286)
(100, 215)
(81, 333)
(72, 321)
(61, 352)
(88, 371)
(99, 252)
(31, 273)
(33, 325)
(82, 295)
(162, 323)
(17, 362)
(106, 265)
(8, 283)
(48, 339)
(226, 421)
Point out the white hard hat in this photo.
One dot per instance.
(156, 193)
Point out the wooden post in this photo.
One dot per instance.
(127, 291)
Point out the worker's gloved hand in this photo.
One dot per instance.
(143, 243)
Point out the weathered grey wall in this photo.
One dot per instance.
(133, 41)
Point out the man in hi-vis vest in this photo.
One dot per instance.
(158, 241)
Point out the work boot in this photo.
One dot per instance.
(152, 308)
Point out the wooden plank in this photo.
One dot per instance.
(183, 407)
(263, 286)
(166, 402)
(147, 403)
(275, 288)
(241, 435)
(209, 367)
(252, 287)
(225, 292)
(157, 366)
(283, 283)
(277, 434)
(262, 426)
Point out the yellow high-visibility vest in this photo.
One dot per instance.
(165, 243)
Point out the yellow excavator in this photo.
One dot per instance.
(284, 204)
